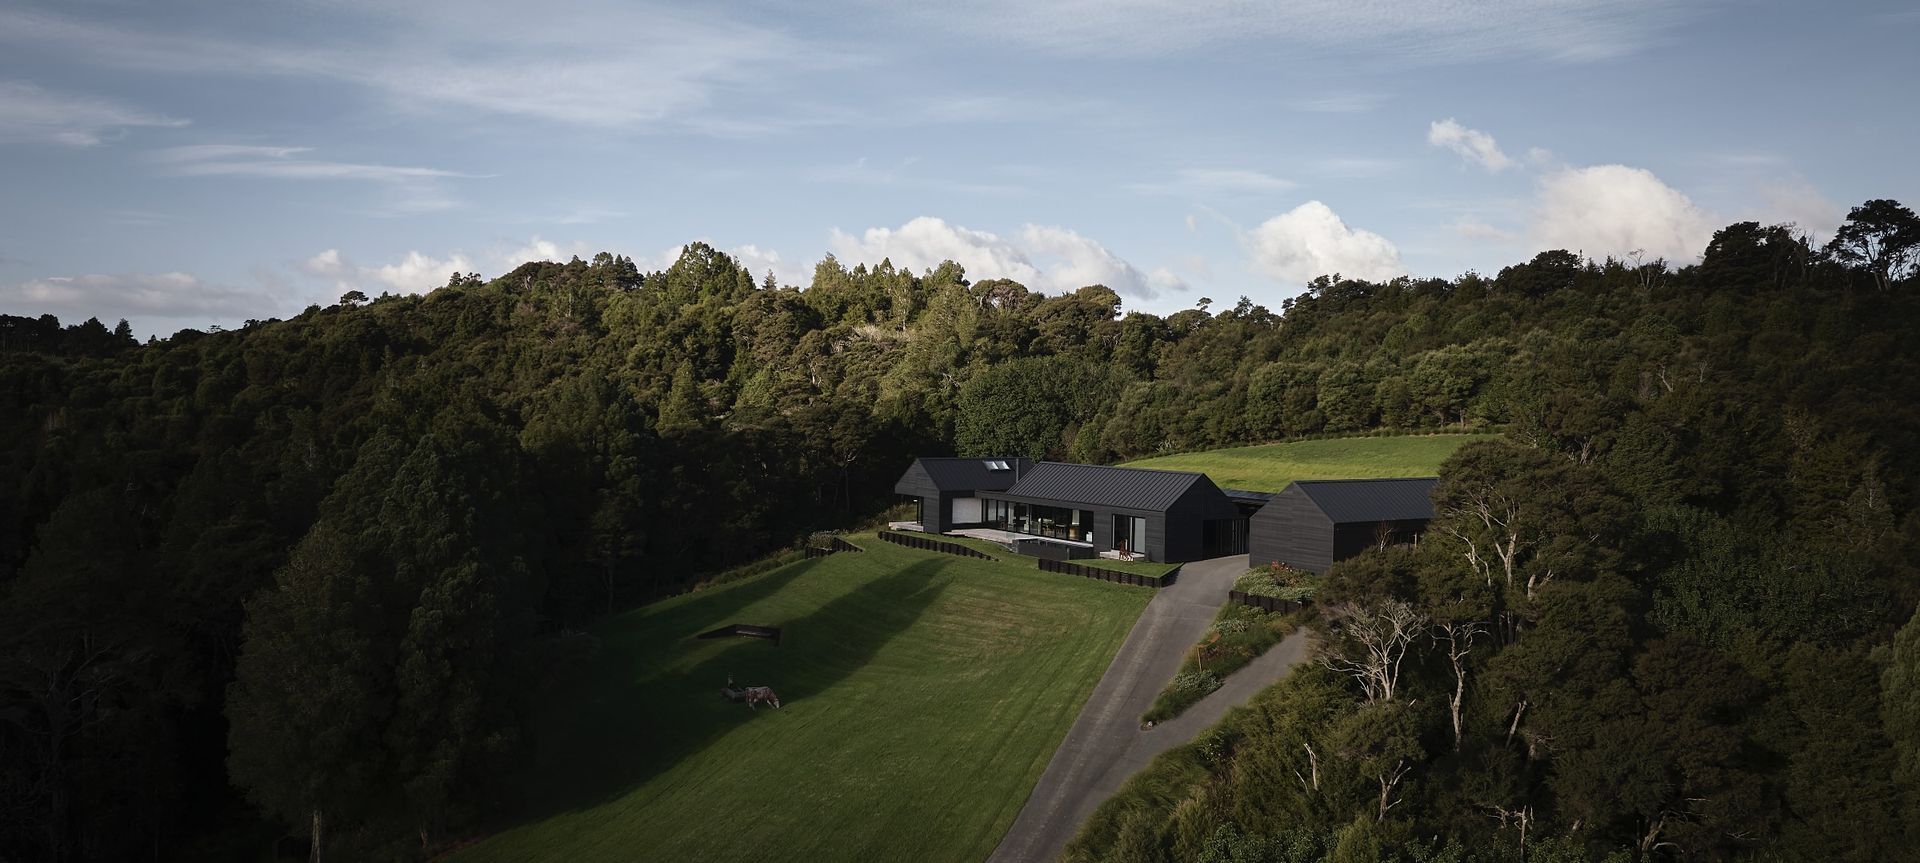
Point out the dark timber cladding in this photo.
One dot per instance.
(938, 483)
(1181, 516)
(1313, 523)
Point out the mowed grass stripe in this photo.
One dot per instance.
(1269, 467)
(924, 695)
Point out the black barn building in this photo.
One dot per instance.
(947, 490)
(1312, 523)
(1170, 516)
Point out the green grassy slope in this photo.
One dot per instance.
(1270, 467)
(924, 694)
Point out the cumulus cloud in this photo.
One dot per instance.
(538, 249)
(1311, 240)
(1471, 144)
(414, 273)
(32, 115)
(1046, 257)
(1614, 209)
(156, 303)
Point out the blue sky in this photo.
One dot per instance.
(192, 163)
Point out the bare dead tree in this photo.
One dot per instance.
(1390, 779)
(1382, 634)
(1522, 818)
(1459, 640)
(1312, 780)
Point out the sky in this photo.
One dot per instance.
(197, 163)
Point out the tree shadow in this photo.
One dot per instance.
(625, 721)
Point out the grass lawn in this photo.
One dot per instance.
(924, 694)
(1270, 467)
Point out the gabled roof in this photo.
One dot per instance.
(1099, 485)
(1348, 501)
(971, 474)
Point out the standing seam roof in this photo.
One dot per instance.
(1099, 485)
(971, 474)
(1348, 501)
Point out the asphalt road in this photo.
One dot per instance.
(1105, 744)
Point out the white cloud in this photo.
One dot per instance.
(1614, 209)
(1386, 29)
(634, 65)
(1311, 240)
(1217, 181)
(543, 250)
(285, 163)
(1339, 103)
(153, 302)
(1082, 262)
(32, 115)
(1796, 200)
(1470, 228)
(414, 273)
(1471, 144)
(1045, 257)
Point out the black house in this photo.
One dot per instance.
(1312, 523)
(1169, 516)
(951, 486)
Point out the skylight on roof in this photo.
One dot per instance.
(996, 464)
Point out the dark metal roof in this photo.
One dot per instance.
(1347, 501)
(1240, 495)
(972, 474)
(1099, 485)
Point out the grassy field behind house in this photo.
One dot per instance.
(1269, 467)
(924, 694)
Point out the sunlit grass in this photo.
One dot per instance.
(1270, 467)
(924, 694)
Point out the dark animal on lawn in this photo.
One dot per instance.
(762, 695)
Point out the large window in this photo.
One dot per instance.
(1059, 522)
(1130, 534)
(1049, 521)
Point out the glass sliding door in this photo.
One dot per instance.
(1130, 534)
(1060, 523)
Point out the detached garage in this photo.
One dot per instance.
(1313, 523)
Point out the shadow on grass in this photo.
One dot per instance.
(609, 732)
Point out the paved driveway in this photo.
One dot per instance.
(1106, 745)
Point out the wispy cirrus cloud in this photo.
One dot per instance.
(283, 163)
(1338, 103)
(1403, 32)
(31, 114)
(635, 65)
(1216, 181)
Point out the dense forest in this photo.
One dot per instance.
(300, 578)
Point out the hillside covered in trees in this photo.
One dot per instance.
(302, 578)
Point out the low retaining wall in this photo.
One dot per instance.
(1265, 603)
(835, 545)
(925, 544)
(1114, 576)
